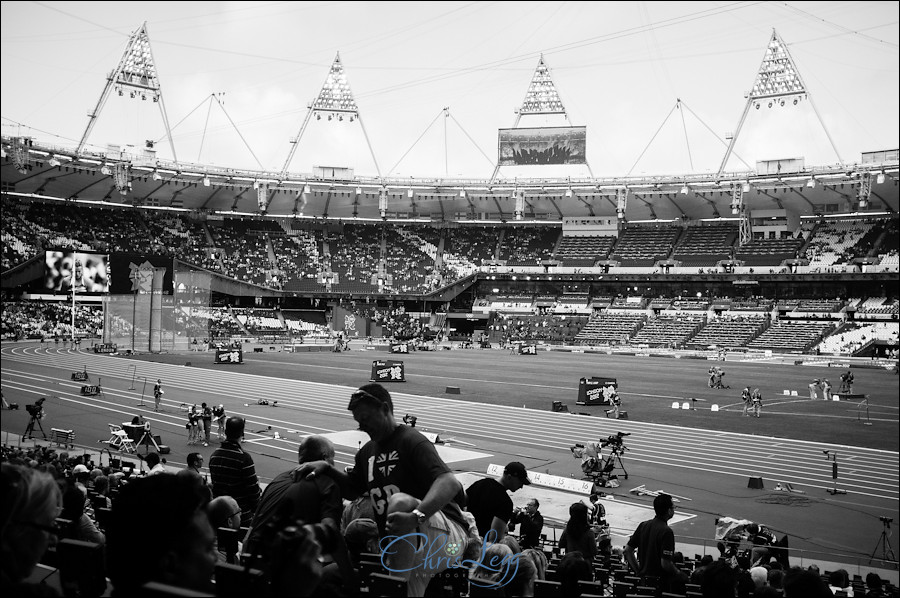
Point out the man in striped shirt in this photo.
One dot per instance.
(232, 471)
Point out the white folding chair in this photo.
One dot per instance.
(119, 439)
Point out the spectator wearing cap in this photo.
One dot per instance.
(81, 474)
(233, 472)
(488, 501)
(412, 489)
(73, 508)
(361, 535)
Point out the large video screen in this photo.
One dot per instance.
(545, 145)
(91, 271)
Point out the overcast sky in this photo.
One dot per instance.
(619, 67)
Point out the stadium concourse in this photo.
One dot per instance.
(707, 459)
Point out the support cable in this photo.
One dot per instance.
(491, 162)
(415, 142)
(249, 149)
(708, 128)
(687, 141)
(651, 140)
(205, 127)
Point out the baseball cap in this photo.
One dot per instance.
(373, 393)
(80, 469)
(516, 469)
(360, 531)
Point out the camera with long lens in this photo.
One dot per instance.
(886, 520)
(275, 551)
(36, 410)
(615, 440)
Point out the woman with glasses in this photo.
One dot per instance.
(30, 504)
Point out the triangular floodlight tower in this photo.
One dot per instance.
(540, 99)
(136, 73)
(335, 100)
(777, 80)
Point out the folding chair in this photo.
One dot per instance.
(119, 439)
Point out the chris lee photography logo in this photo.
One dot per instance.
(495, 571)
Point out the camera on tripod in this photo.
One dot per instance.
(886, 520)
(615, 441)
(36, 410)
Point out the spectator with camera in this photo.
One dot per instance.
(489, 503)
(530, 522)
(315, 501)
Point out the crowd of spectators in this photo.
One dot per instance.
(47, 320)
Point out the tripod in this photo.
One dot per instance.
(147, 439)
(29, 429)
(887, 551)
(614, 457)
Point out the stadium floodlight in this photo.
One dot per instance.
(746, 187)
(105, 170)
(359, 190)
(569, 192)
(880, 178)
(206, 181)
(811, 183)
(684, 190)
(156, 176)
(54, 162)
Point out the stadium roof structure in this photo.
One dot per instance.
(33, 169)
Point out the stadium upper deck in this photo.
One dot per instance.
(59, 173)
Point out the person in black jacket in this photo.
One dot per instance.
(531, 523)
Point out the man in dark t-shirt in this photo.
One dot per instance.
(412, 490)
(489, 503)
(655, 542)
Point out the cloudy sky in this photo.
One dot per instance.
(620, 69)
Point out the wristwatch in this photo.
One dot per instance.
(420, 516)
